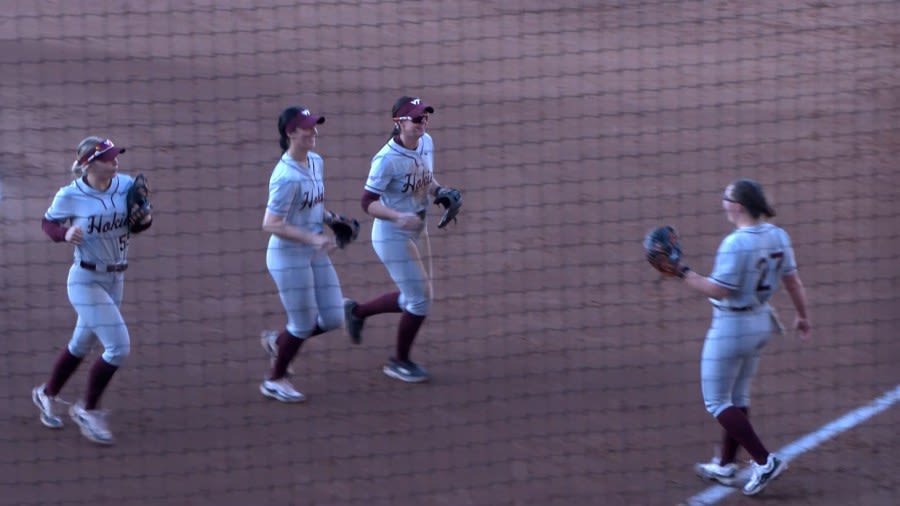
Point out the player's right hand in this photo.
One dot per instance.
(409, 221)
(74, 234)
(324, 243)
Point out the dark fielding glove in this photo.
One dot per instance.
(138, 203)
(451, 200)
(346, 230)
(663, 250)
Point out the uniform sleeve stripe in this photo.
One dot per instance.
(374, 190)
(722, 283)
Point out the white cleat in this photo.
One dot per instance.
(48, 406)
(281, 390)
(93, 424)
(712, 471)
(763, 475)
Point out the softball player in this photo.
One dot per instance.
(93, 206)
(400, 182)
(297, 256)
(750, 264)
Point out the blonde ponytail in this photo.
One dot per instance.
(85, 146)
(77, 168)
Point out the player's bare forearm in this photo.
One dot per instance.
(406, 221)
(378, 210)
(276, 225)
(292, 233)
(703, 285)
(797, 292)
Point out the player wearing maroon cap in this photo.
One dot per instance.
(397, 194)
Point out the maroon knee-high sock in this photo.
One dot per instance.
(730, 444)
(738, 426)
(288, 347)
(386, 303)
(406, 333)
(100, 376)
(65, 366)
(285, 335)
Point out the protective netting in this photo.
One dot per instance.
(563, 371)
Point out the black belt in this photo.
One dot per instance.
(109, 268)
(736, 309)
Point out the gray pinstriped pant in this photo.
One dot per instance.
(308, 286)
(96, 297)
(730, 356)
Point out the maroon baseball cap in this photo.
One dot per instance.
(410, 107)
(304, 119)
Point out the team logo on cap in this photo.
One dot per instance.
(415, 101)
(305, 112)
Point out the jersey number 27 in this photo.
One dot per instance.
(769, 268)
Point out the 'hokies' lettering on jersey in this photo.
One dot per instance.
(317, 197)
(97, 224)
(297, 193)
(418, 180)
(402, 176)
(101, 214)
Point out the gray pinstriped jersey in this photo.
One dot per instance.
(101, 214)
(297, 193)
(751, 261)
(402, 176)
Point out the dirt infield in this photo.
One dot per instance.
(565, 374)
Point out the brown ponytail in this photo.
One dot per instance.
(749, 194)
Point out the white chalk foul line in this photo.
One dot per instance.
(716, 493)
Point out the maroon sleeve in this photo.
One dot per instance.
(54, 230)
(367, 199)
